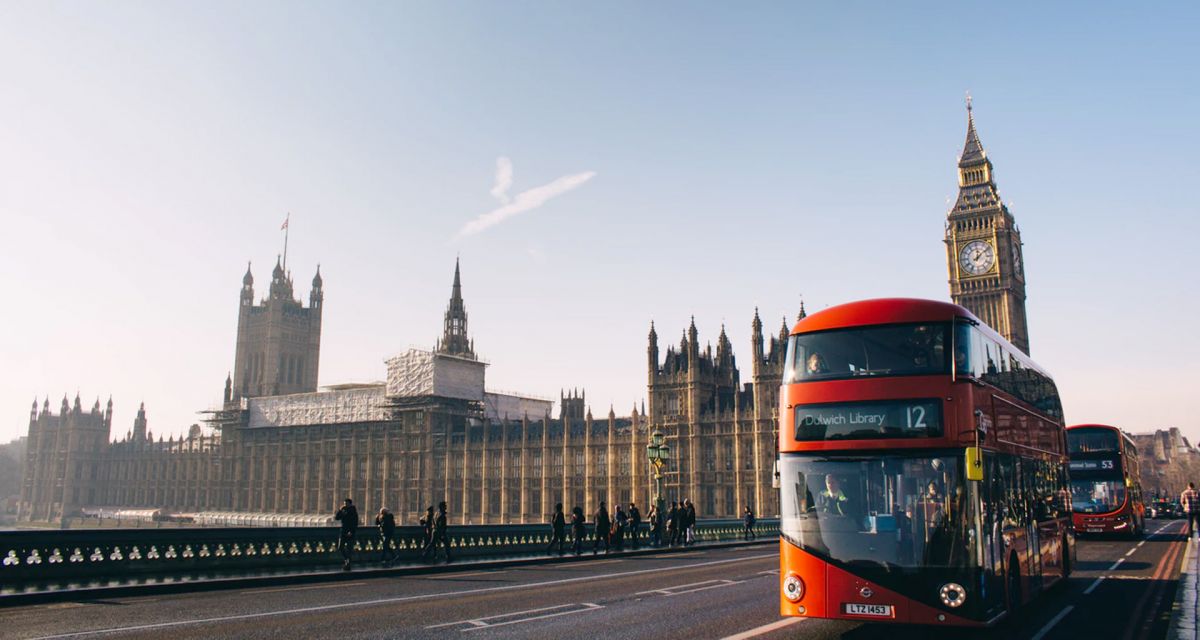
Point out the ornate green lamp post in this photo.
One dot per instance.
(659, 452)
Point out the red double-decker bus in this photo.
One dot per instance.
(923, 468)
(1106, 490)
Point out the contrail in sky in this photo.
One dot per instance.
(527, 200)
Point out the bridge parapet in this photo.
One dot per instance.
(41, 560)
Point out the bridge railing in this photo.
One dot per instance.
(56, 559)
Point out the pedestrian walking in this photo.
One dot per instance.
(635, 523)
(652, 520)
(427, 526)
(673, 524)
(1190, 501)
(578, 529)
(690, 520)
(622, 523)
(387, 532)
(439, 536)
(748, 521)
(348, 516)
(603, 526)
(558, 529)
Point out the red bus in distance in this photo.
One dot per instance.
(923, 468)
(1106, 490)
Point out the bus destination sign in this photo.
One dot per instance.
(861, 420)
(1093, 465)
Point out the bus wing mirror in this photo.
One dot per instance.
(974, 463)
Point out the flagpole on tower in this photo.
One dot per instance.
(285, 239)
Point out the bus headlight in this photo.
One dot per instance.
(953, 595)
(793, 587)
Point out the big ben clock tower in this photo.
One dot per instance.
(983, 247)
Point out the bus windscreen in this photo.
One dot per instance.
(888, 350)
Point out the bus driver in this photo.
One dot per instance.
(832, 500)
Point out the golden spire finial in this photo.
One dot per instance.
(968, 100)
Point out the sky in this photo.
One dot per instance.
(596, 167)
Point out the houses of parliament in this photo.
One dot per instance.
(278, 444)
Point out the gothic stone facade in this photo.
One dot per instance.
(431, 432)
(983, 245)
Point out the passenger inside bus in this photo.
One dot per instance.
(816, 364)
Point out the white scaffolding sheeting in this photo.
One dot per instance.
(423, 373)
(362, 404)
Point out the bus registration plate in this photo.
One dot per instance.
(880, 610)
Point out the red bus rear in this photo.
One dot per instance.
(1106, 490)
(922, 467)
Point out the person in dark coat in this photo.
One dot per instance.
(387, 531)
(618, 534)
(689, 527)
(673, 522)
(348, 516)
(439, 536)
(748, 523)
(603, 528)
(558, 529)
(655, 520)
(578, 529)
(427, 526)
(635, 523)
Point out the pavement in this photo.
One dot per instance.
(1120, 589)
(1185, 613)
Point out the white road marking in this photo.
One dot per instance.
(482, 623)
(315, 586)
(772, 572)
(1096, 583)
(1053, 621)
(379, 601)
(681, 589)
(453, 576)
(766, 628)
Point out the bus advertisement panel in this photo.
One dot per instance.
(922, 468)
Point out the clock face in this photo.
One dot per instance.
(1016, 257)
(977, 257)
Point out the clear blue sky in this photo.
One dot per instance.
(716, 159)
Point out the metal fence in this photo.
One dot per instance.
(60, 559)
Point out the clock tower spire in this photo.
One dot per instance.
(983, 246)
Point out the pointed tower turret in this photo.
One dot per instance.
(756, 343)
(803, 314)
(983, 246)
(454, 335)
(652, 351)
(139, 424)
(317, 295)
(33, 412)
(247, 296)
(281, 284)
